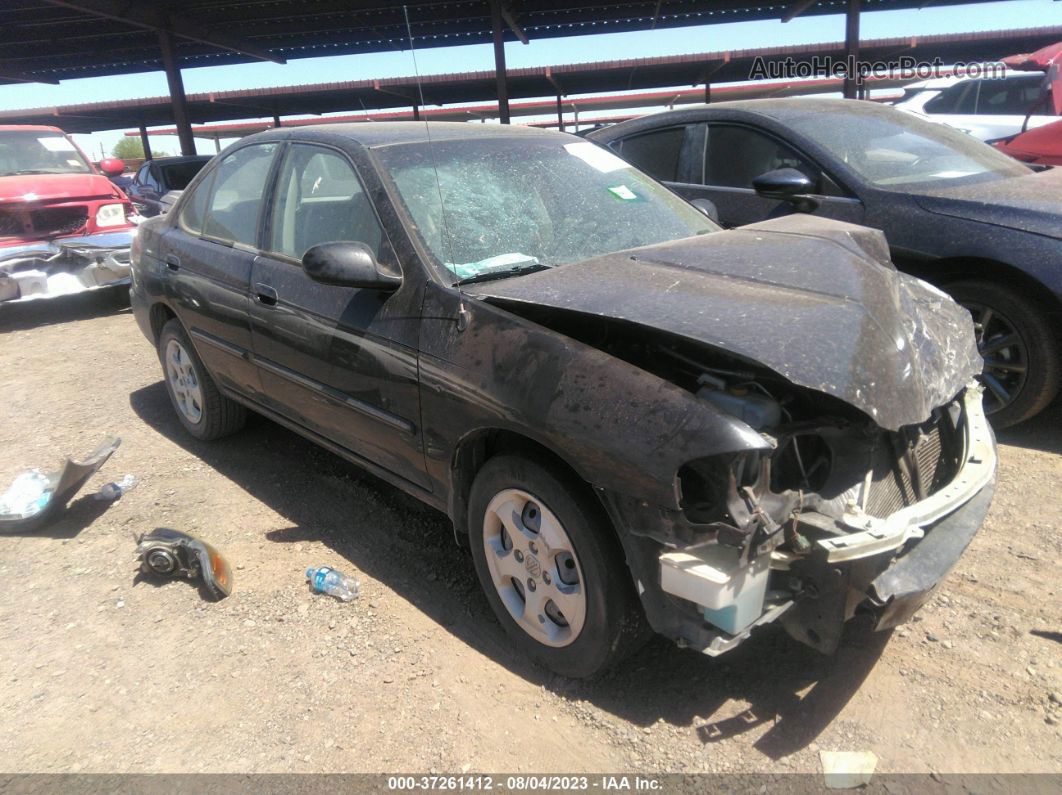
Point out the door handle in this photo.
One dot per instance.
(173, 262)
(264, 294)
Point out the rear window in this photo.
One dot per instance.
(236, 200)
(178, 175)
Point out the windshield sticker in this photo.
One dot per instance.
(592, 154)
(55, 143)
(623, 192)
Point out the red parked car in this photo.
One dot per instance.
(1039, 146)
(64, 227)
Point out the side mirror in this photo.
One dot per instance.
(707, 207)
(112, 166)
(347, 264)
(789, 185)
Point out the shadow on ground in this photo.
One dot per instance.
(401, 542)
(27, 315)
(1042, 432)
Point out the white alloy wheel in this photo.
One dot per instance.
(184, 381)
(534, 568)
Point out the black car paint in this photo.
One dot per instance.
(836, 318)
(416, 384)
(1008, 227)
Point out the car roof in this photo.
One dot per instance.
(388, 133)
(29, 128)
(951, 80)
(781, 109)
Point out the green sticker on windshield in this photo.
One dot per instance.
(623, 192)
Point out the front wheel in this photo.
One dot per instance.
(551, 568)
(1020, 348)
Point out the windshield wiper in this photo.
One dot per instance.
(487, 276)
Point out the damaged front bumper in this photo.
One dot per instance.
(888, 567)
(62, 267)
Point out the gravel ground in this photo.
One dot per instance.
(99, 672)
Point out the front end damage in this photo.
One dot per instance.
(835, 518)
(865, 465)
(51, 268)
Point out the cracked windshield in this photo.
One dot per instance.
(505, 206)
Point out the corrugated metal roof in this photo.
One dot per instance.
(64, 39)
(568, 79)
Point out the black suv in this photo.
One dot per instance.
(634, 418)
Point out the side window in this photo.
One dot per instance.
(239, 182)
(1011, 97)
(320, 200)
(959, 98)
(141, 175)
(656, 153)
(737, 155)
(194, 209)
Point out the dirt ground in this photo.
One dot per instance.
(100, 673)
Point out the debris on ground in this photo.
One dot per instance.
(171, 553)
(334, 583)
(109, 492)
(847, 769)
(27, 495)
(35, 499)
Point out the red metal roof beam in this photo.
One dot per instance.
(149, 17)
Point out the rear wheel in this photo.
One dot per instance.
(1020, 347)
(551, 568)
(202, 409)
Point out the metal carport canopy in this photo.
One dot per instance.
(48, 40)
(533, 82)
(51, 40)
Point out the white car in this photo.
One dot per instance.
(985, 107)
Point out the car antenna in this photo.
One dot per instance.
(462, 312)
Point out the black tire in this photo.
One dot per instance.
(219, 416)
(614, 624)
(1037, 341)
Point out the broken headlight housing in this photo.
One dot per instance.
(171, 553)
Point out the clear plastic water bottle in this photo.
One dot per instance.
(334, 583)
(112, 491)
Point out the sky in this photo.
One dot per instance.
(675, 41)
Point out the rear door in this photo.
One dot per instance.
(209, 253)
(340, 361)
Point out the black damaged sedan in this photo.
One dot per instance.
(634, 419)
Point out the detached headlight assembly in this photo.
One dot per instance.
(110, 215)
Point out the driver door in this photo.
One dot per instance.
(339, 361)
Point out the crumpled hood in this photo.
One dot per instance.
(1032, 203)
(815, 300)
(55, 187)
